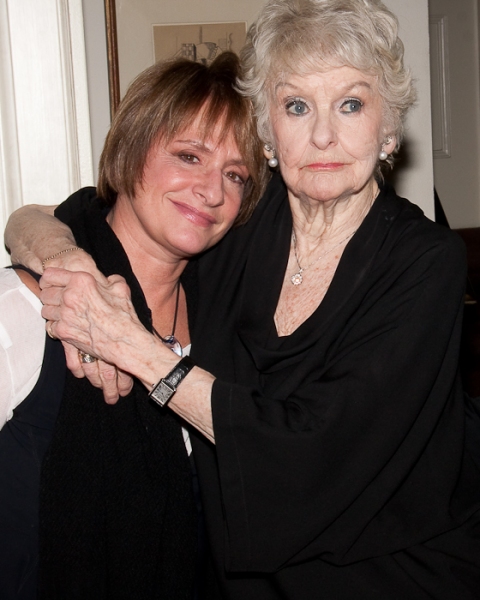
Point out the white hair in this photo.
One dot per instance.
(304, 36)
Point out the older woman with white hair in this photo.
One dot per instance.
(331, 452)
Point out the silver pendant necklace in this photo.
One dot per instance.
(171, 341)
(297, 278)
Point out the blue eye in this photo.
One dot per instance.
(352, 105)
(297, 107)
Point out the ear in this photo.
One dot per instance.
(389, 146)
(267, 151)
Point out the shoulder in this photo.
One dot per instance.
(18, 294)
(9, 281)
(18, 281)
(22, 339)
(76, 204)
(412, 234)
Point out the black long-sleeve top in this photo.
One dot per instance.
(339, 469)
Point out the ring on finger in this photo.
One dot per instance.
(86, 358)
(49, 330)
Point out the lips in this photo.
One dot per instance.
(195, 216)
(327, 166)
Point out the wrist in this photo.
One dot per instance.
(59, 254)
(163, 391)
(146, 357)
(28, 259)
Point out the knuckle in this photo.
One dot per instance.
(109, 374)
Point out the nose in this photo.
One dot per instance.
(210, 187)
(323, 132)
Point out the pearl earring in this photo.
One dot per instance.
(272, 161)
(384, 155)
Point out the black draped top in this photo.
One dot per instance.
(339, 446)
(339, 469)
(117, 514)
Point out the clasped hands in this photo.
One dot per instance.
(96, 316)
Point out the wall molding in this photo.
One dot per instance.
(45, 142)
(440, 86)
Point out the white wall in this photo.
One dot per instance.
(414, 176)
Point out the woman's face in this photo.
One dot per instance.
(190, 196)
(328, 131)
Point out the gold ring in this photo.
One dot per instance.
(49, 330)
(86, 358)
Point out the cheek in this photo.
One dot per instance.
(282, 134)
(290, 145)
(231, 208)
(362, 145)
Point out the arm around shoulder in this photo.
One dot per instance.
(33, 233)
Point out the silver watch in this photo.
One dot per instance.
(167, 386)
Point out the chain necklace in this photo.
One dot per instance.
(297, 278)
(171, 341)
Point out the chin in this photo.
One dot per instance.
(192, 244)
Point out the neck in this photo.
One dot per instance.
(318, 224)
(157, 270)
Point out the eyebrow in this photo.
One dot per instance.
(201, 146)
(196, 143)
(358, 84)
(345, 90)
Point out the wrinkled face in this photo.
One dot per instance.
(328, 131)
(191, 193)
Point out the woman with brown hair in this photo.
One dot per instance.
(118, 516)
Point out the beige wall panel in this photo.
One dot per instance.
(457, 174)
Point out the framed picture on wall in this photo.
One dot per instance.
(137, 37)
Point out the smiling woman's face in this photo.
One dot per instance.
(190, 196)
(328, 131)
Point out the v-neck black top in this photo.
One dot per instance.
(339, 469)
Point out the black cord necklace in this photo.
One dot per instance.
(171, 341)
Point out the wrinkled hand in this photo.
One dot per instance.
(97, 317)
(78, 260)
(112, 381)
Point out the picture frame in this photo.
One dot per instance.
(133, 46)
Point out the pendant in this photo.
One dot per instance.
(171, 342)
(297, 278)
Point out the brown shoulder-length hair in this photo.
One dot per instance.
(164, 100)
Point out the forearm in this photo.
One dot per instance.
(99, 318)
(147, 358)
(192, 400)
(33, 233)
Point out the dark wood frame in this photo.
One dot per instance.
(112, 52)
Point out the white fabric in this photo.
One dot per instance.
(186, 435)
(22, 342)
(22, 345)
